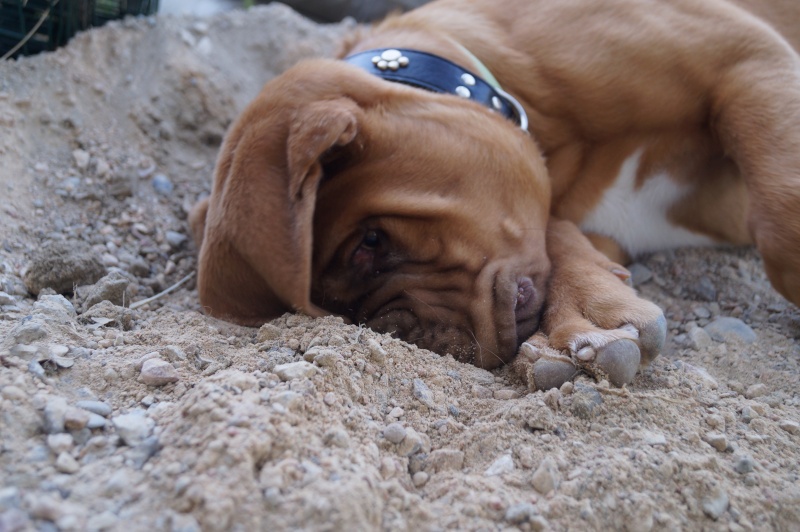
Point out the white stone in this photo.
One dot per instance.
(501, 466)
(295, 370)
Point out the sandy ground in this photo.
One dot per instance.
(159, 418)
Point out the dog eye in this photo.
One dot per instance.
(371, 240)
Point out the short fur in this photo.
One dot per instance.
(431, 217)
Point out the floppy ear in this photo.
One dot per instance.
(255, 259)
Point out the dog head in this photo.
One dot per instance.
(412, 212)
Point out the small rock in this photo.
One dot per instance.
(413, 443)
(54, 413)
(67, 464)
(716, 440)
(139, 364)
(744, 464)
(640, 273)
(748, 414)
(289, 400)
(423, 393)
(60, 443)
(584, 401)
(520, 513)
(338, 437)
(96, 421)
(28, 332)
(175, 239)
(715, 504)
(81, 159)
(396, 413)
(546, 477)
(726, 329)
(756, 390)
(394, 432)
(162, 185)
(97, 407)
(133, 428)
(327, 358)
(157, 372)
(699, 339)
(62, 265)
(481, 392)
(377, 352)
(704, 289)
(506, 395)
(13, 393)
(268, 332)
(654, 438)
(295, 370)
(6, 299)
(420, 478)
(75, 419)
(501, 466)
(701, 312)
(444, 460)
(113, 287)
(140, 454)
(792, 427)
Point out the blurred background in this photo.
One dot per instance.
(31, 26)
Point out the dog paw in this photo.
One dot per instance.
(542, 367)
(617, 354)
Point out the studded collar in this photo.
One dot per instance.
(437, 74)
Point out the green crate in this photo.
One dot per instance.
(32, 26)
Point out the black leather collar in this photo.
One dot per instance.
(434, 73)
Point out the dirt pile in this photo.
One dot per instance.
(159, 418)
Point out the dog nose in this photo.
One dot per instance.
(524, 305)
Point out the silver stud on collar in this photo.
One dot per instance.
(468, 79)
(463, 91)
(390, 60)
(496, 103)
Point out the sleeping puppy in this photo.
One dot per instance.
(454, 179)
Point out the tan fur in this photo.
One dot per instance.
(709, 90)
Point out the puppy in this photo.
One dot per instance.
(454, 179)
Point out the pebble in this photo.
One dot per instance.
(162, 185)
(748, 414)
(506, 395)
(113, 287)
(423, 393)
(54, 413)
(744, 464)
(546, 478)
(81, 159)
(327, 358)
(295, 370)
(96, 407)
(756, 390)
(289, 400)
(653, 438)
(444, 460)
(520, 513)
(481, 392)
(377, 351)
(726, 329)
(584, 401)
(412, 443)
(61, 265)
(13, 393)
(717, 440)
(157, 372)
(501, 466)
(175, 239)
(396, 413)
(337, 437)
(75, 419)
(6, 299)
(133, 428)
(268, 332)
(704, 289)
(420, 478)
(394, 432)
(699, 339)
(330, 399)
(640, 273)
(792, 427)
(60, 443)
(67, 464)
(96, 421)
(715, 504)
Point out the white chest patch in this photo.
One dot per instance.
(637, 218)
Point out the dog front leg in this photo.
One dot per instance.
(593, 320)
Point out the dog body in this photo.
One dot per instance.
(652, 125)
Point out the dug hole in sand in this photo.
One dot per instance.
(160, 418)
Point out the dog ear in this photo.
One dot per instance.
(256, 254)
